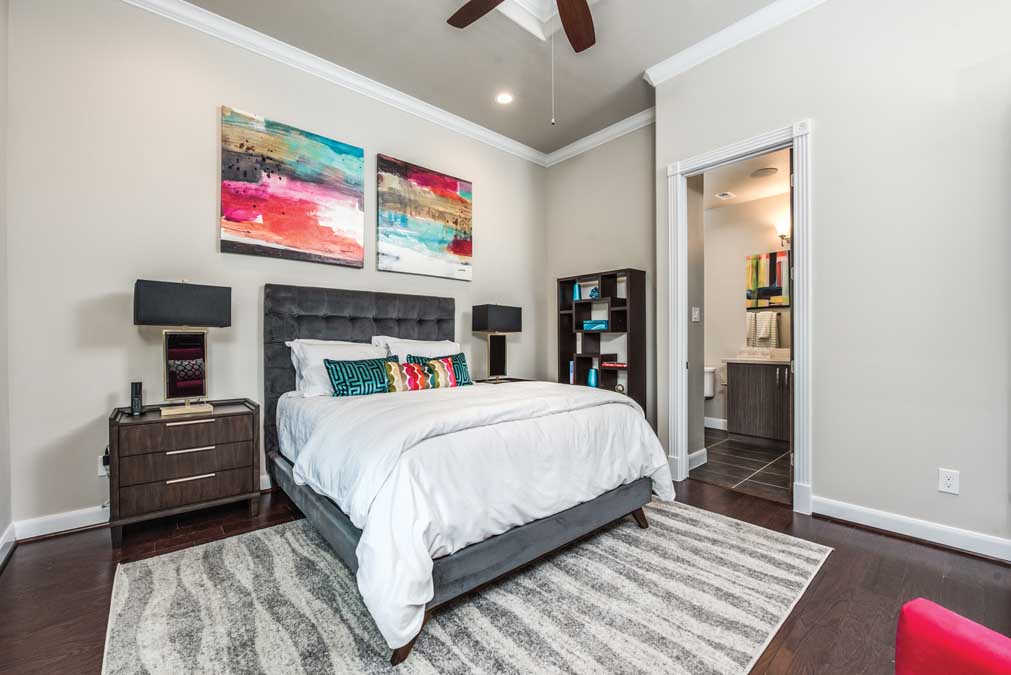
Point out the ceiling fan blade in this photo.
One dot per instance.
(472, 11)
(578, 23)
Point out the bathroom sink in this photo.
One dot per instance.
(761, 355)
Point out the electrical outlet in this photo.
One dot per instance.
(103, 470)
(947, 481)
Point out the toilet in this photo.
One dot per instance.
(709, 381)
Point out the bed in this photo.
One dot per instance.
(439, 560)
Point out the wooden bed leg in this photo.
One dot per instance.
(401, 653)
(640, 518)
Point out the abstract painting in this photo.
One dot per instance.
(768, 280)
(424, 221)
(288, 193)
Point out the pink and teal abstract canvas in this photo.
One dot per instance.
(424, 221)
(289, 193)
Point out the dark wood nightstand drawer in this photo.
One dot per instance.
(182, 434)
(170, 494)
(168, 464)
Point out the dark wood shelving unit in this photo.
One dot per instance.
(626, 317)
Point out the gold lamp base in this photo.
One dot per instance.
(187, 409)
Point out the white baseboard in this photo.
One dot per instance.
(8, 536)
(716, 423)
(955, 537)
(72, 520)
(802, 498)
(61, 522)
(698, 458)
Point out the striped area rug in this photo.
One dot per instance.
(695, 593)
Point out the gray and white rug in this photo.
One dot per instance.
(695, 593)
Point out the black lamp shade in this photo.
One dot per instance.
(496, 319)
(165, 303)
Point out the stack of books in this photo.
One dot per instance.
(595, 324)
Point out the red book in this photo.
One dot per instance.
(613, 364)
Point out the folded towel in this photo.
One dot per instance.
(762, 329)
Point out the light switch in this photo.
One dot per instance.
(696, 314)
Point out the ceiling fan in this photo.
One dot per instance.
(575, 15)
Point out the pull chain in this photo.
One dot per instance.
(552, 80)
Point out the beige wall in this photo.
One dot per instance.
(732, 233)
(600, 217)
(696, 298)
(5, 455)
(114, 133)
(910, 312)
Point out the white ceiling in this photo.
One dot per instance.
(407, 45)
(737, 178)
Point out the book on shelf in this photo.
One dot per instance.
(572, 372)
(613, 364)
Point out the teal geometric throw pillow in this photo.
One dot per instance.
(358, 378)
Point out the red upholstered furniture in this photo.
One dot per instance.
(934, 641)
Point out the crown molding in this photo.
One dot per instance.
(234, 33)
(225, 29)
(753, 25)
(605, 135)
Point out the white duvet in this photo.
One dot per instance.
(424, 474)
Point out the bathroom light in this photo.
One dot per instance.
(763, 173)
(783, 228)
(504, 98)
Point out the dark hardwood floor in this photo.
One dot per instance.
(745, 467)
(54, 594)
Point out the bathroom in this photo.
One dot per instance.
(745, 319)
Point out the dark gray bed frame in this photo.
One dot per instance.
(291, 312)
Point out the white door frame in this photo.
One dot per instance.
(797, 136)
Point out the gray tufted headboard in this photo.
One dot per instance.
(291, 312)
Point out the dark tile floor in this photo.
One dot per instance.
(744, 467)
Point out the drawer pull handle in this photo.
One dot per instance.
(189, 450)
(186, 480)
(182, 424)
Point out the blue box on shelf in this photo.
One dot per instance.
(595, 324)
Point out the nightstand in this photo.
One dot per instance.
(162, 466)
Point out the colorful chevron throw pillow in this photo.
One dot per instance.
(358, 378)
(407, 376)
(460, 370)
(441, 371)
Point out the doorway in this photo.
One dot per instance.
(739, 407)
(741, 273)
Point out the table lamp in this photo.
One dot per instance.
(193, 308)
(496, 321)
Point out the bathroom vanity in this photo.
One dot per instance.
(758, 398)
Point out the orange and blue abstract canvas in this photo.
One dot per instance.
(289, 193)
(424, 221)
(767, 276)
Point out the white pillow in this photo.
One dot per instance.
(311, 378)
(401, 348)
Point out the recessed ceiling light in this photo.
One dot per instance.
(764, 173)
(504, 98)
(725, 195)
